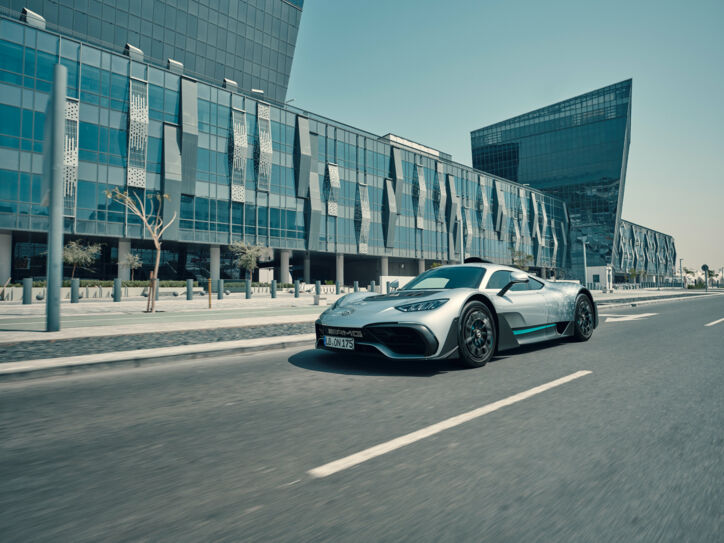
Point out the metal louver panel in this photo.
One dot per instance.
(440, 194)
(264, 149)
(137, 134)
(467, 230)
(302, 156)
(419, 197)
(389, 213)
(313, 213)
(238, 150)
(70, 158)
(362, 218)
(331, 189)
(453, 217)
(501, 219)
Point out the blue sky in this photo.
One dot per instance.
(432, 71)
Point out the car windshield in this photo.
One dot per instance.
(446, 278)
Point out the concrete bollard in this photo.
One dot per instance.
(373, 286)
(296, 288)
(337, 287)
(356, 286)
(274, 288)
(116, 290)
(74, 290)
(220, 286)
(317, 288)
(27, 291)
(388, 287)
(189, 289)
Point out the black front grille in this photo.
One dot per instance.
(404, 339)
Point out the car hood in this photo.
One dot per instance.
(360, 308)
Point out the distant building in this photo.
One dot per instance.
(577, 150)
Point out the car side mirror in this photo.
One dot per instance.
(515, 277)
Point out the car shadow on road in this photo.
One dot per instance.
(361, 364)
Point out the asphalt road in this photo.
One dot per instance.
(221, 449)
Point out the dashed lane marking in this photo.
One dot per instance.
(714, 322)
(389, 446)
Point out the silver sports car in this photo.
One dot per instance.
(468, 311)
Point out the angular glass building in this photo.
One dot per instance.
(333, 201)
(576, 150)
(248, 42)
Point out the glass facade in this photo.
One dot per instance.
(235, 167)
(576, 150)
(643, 254)
(248, 41)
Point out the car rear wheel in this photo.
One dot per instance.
(476, 335)
(583, 320)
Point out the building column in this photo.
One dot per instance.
(384, 267)
(214, 263)
(6, 256)
(420, 266)
(124, 249)
(340, 268)
(284, 276)
(307, 267)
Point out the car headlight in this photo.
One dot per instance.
(422, 306)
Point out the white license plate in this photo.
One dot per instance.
(339, 342)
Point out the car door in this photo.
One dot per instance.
(523, 306)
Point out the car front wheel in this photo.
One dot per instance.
(583, 319)
(476, 335)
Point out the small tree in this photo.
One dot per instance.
(76, 254)
(521, 260)
(247, 257)
(132, 262)
(153, 222)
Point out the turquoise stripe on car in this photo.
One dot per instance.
(534, 329)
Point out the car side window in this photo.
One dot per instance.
(520, 286)
(534, 284)
(499, 279)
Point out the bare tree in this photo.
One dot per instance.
(76, 254)
(521, 260)
(132, 262)
(152, 221)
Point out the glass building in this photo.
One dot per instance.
(576, 150)
(249, 42)
(642, 253)
(333, 201)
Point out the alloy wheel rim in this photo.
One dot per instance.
(585, 320)
(478, 334)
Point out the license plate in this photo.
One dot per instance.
(339, 342)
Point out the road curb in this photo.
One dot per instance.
(30, 369)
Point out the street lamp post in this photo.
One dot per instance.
(54, 157)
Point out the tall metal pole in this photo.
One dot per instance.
(55, 139)
(681, 273)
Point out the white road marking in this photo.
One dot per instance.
(715, 322)
(630, 317)
(610, 315)
(397, 443)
